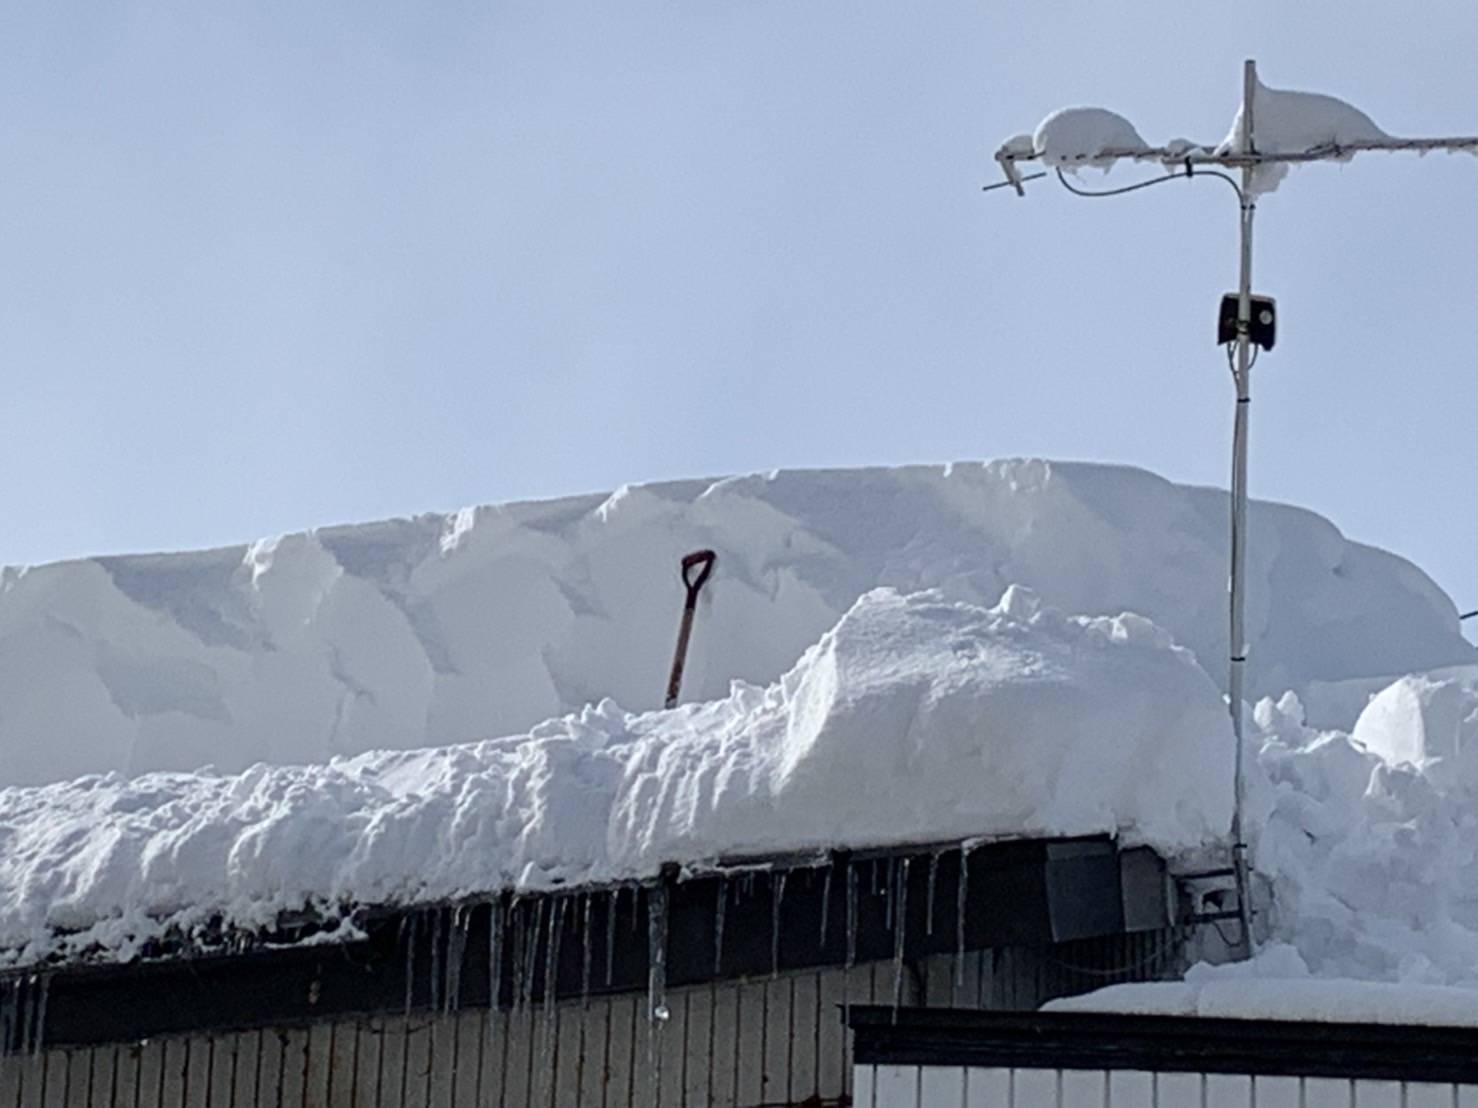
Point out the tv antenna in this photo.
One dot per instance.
(1245, 321)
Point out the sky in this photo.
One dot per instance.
(270, 266)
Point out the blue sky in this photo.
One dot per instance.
(269, 266)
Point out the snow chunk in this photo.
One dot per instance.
(1415, 720)
(915, 719)
(1075, 137)
(1285, 121)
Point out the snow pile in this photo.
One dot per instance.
(1229, 995)
(1074, 137)
(915, 719)
(1285, 121)
(1370, 841)
(1370, 836)
(451, 629)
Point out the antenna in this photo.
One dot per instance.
(1239, 330)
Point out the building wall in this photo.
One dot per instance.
(892, 1086)
(768, 1041)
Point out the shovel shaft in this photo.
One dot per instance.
(700, 561)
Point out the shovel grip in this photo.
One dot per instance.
(702, 561)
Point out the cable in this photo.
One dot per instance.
(1190, 172)
(1113, 192)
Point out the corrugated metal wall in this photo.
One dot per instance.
(962, 1087)
(773, 1041)
(769, 1041)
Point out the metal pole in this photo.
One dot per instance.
(1237, 639)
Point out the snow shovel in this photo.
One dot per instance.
(701, 561)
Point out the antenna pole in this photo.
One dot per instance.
(1237, 637)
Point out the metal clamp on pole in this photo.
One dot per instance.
(697, 567)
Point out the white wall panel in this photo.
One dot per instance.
(897, 1087)
(943, 1085)
(953, 1087)
(986, 1088)
(1083, 1088)
(1034, 1088)
(1277, 1092)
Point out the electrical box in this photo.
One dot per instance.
(1263, 329)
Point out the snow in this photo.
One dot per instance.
(1304, 999)
(454, 628)
(883, 657)
(1285, 121)
(915, 719)
(1075, 137)
(1367, 839)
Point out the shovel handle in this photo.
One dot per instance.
(702, 561)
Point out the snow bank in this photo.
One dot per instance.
(449, 629)
(915, 719)
(1369, 839)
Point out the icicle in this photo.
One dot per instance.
(437, 947)
(656, 982)
(611, 906)
(9, 994)
(38, 1033)
(30, 1008)
(889, 871)
(900, 930)
(518, 917)
(456, 947)
(587, 903)
(960, 901)
(779, 898)
(933, 880)
(718, 925)
(408, 935)
(851, 916)
(657, 952)
(550, 1018)
(825, 903)
(495, 955)
(531, 955)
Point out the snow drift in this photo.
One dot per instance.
(915, 719)
(449, 629)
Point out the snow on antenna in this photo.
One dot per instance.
(1273, 130)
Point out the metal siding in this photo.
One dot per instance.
(1084, 1088)
(1422, 1094)
(1278, 1092)
(1378, 1094)
(944, 1086)
(324, 1056)
(1228, 1090)
(1328, 1092)
(896, 1087)
(1131, 1089)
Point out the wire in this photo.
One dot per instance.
(1190, 172)
(1113, 192)
(1468, 615)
